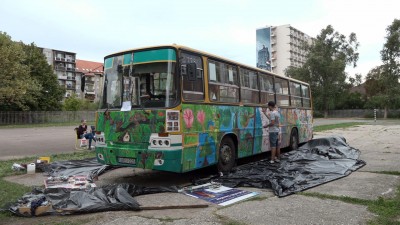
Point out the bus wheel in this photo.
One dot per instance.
(227, 155)
(294, 139)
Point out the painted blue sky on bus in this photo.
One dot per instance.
(95, 28)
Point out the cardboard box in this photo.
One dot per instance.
(41, 210)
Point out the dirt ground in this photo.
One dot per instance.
(379, 146)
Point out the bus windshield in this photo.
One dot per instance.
(150, 83)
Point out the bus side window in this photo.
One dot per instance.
(214, 92)
(192, 77)
(225, 79)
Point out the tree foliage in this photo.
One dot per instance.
(17, 90)
(72, 103)
(327, 58)
(388, 75)
(28, 81)
(51, 94)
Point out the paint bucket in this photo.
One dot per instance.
(31, 168)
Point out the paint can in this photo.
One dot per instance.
(31, 168)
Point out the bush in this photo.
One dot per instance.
(318, 114)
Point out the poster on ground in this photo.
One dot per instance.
(221, 195)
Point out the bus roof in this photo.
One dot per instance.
(182, 47)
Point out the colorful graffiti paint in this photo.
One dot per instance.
(128, 134)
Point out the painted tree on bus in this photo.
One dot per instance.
(327, 58)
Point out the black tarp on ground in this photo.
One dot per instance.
(316, 162)
(89, 167)
(96, 199)
(106, 198)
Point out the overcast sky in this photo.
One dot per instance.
(96, 28)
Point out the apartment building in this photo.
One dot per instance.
(89, 77)
(81, 77)
(279, 47)
(64, 65)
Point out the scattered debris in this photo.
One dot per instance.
(71, 182)
(18, 167)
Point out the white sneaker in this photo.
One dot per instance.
(277, 160)
(272, 161)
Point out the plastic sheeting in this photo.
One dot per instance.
(89, 167)
(316, 162)
(106, 198)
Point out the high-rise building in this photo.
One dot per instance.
(89, 75)
(64, 65)
(279, 47)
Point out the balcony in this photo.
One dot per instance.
(70, 60)
(61, 77)
(90, 92)
(70, 87)
(70, 69)
(62, 68)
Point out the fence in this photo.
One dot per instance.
(358, 113)
(37, 117)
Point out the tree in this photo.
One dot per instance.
(355, 81)
(390, 70)
(17, 90)
(72, 103)
(51, 94)
(325, 66)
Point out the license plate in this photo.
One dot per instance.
(127, 160)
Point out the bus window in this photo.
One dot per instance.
(282, 92)
(223, 82)
(248, 86)
(193, 89)
(295, 94)
(267, 88)
(305, 93)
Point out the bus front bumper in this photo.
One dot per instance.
(155, 159)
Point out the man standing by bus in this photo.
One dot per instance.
(273, 132)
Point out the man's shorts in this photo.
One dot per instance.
(274, 139)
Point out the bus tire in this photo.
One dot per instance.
(294, 139)
(227, 155)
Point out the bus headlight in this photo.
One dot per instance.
(160, 142)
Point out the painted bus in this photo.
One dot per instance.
(174, 108)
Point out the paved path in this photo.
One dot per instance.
(40, 141)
